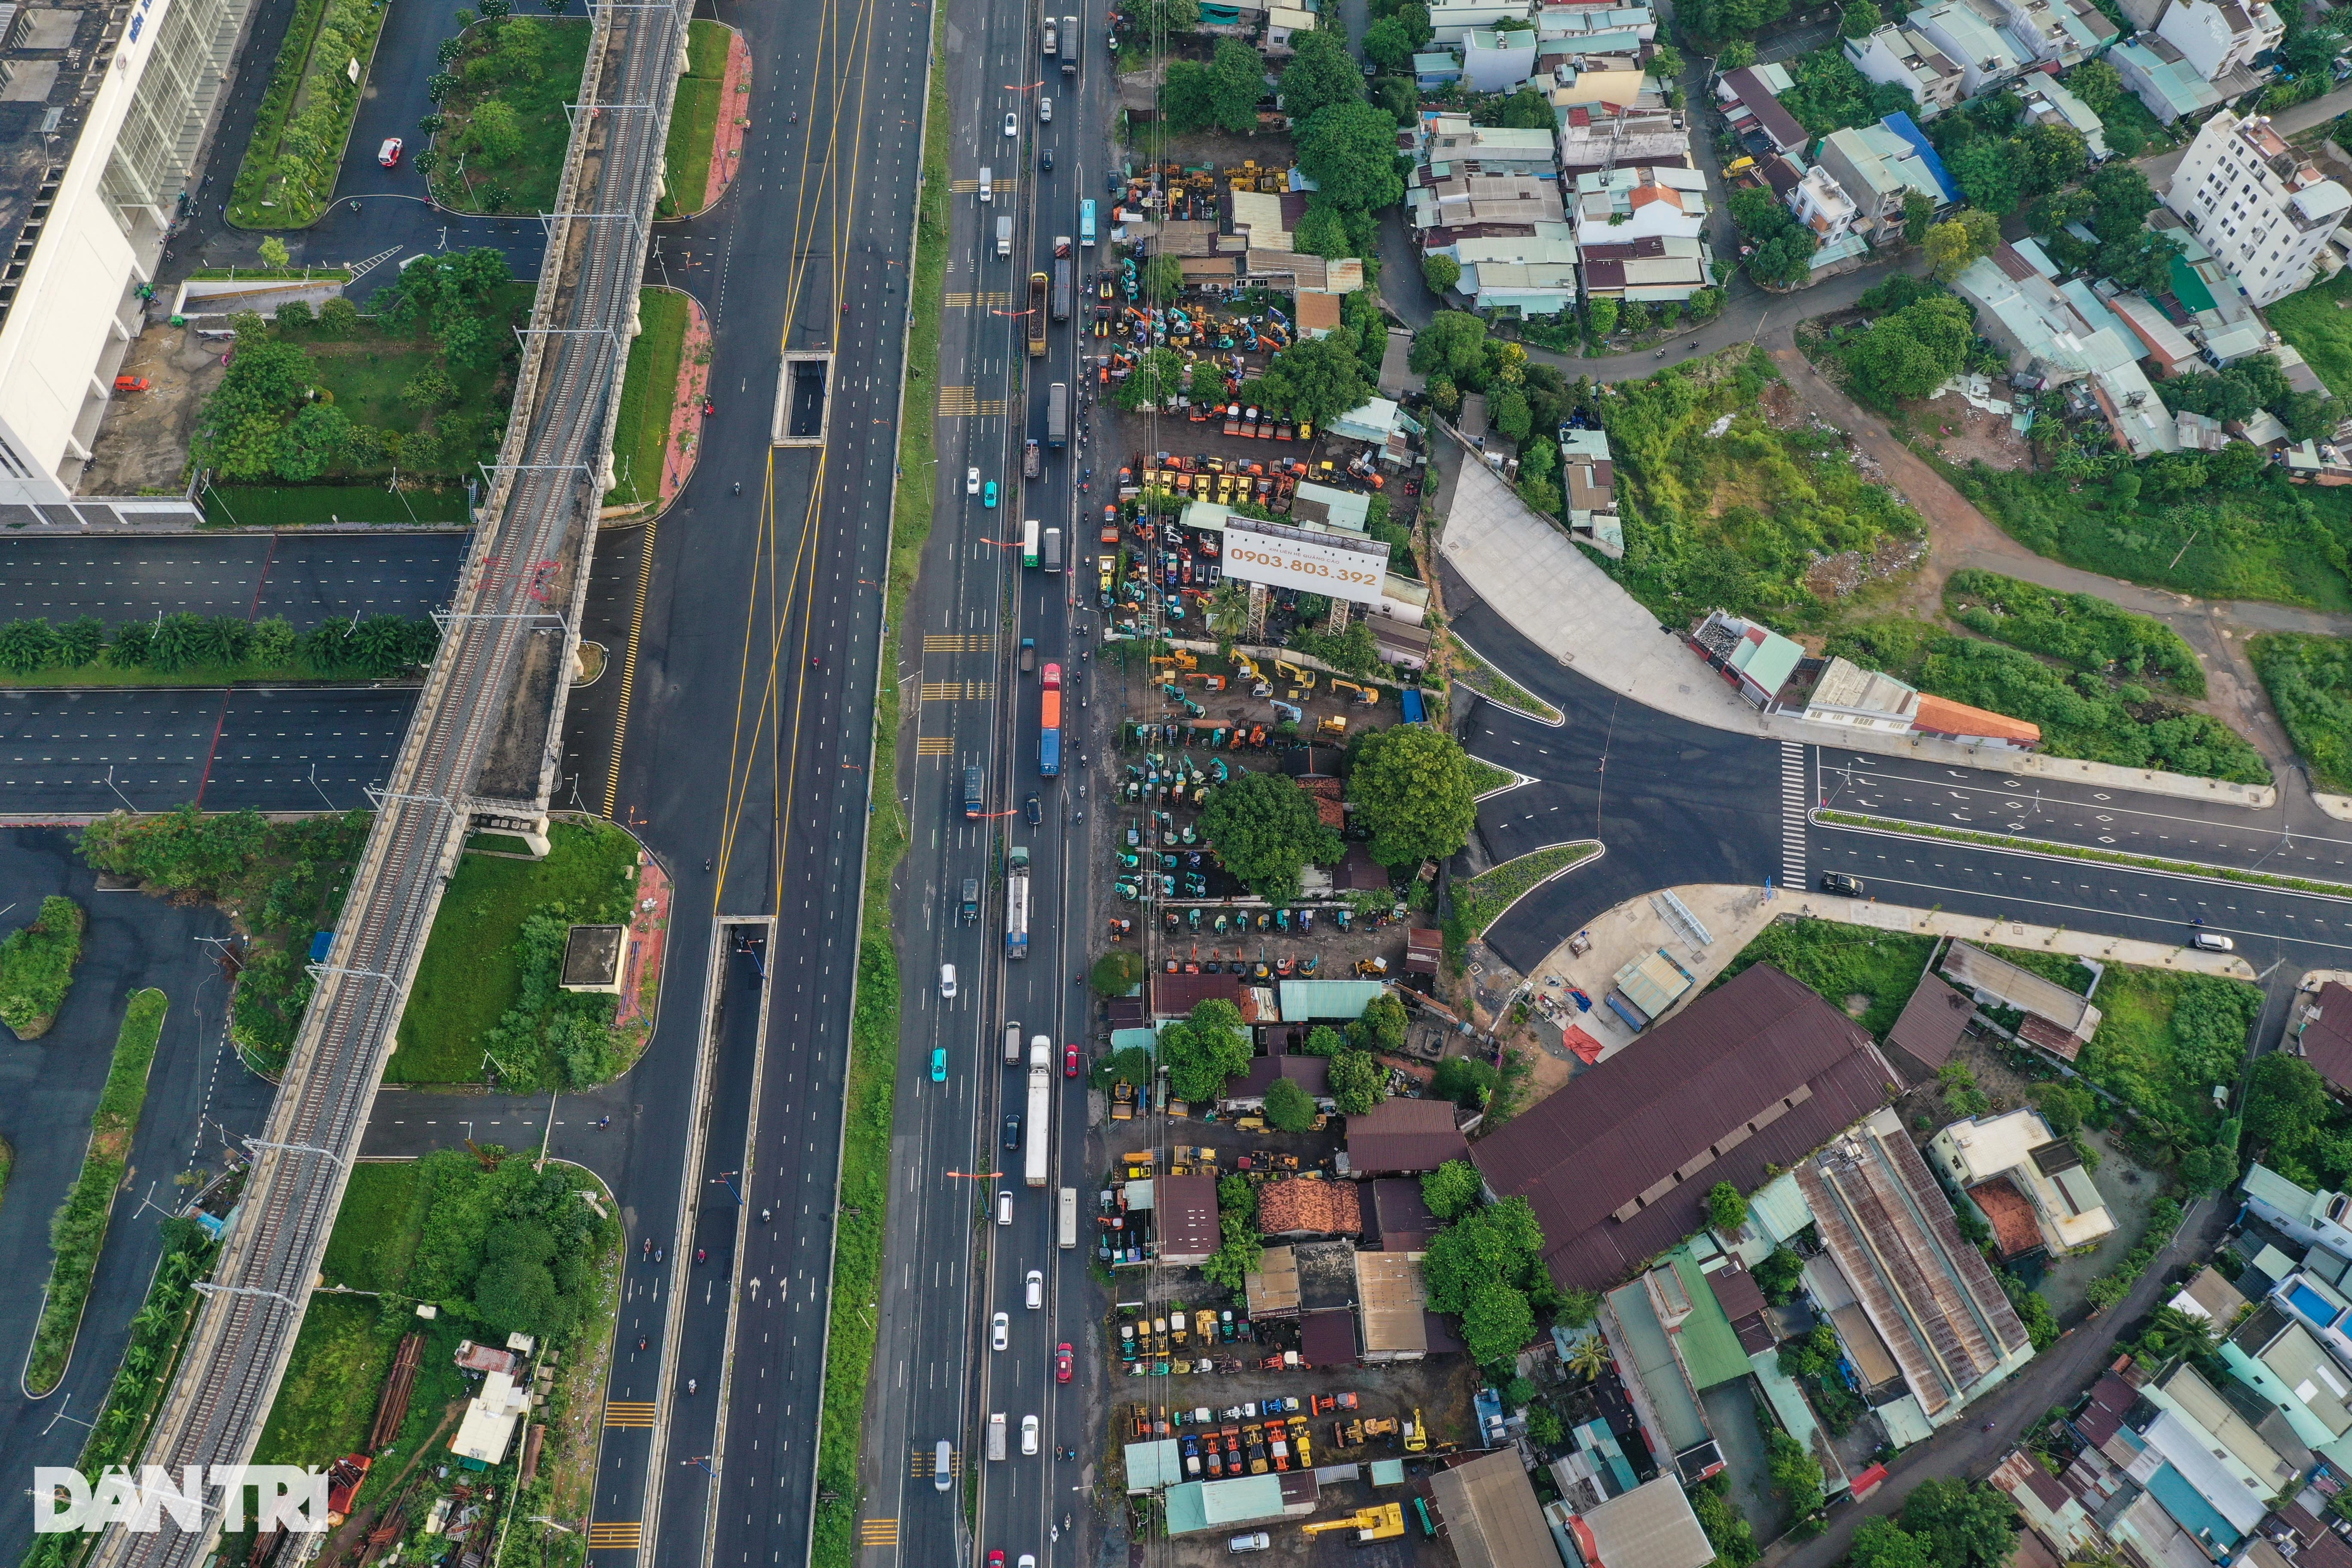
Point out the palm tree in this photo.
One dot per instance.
(2172, 1332)
(1589, 1358)
(1228, 611)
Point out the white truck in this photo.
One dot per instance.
(1004, 236)
(996, 1436)
(1069, 1217)
(1038, 1133)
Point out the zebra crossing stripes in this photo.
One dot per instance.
(1794, 800)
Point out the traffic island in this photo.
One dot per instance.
(658, 434)
(707, 123)
(502, 121)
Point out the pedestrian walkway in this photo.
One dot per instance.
(1794, 799)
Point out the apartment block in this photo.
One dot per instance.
(1908, 58)
(2264, 212)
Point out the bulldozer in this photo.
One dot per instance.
(1347, 1433)
(1371, 968)
(1336, 724)
(1382, 1521)
(1378, 1427)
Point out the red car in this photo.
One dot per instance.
(1069, 1061)
(996, 1560)
(1062, 1362)
(389, 153)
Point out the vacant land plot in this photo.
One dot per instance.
(376, 1230)
(694, 119)
(2309, 679)
(2086, 633)
(2318, 323)
(504, 131)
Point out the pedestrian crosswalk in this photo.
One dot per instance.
(878, 1533)
(959, 691)
(958, 642)
(1794, 800)
(935, 745)
(605, 1537)
(964, 402)
(629, 1412)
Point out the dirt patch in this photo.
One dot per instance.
(143, 442)
(1842, 575)
(1966, 434)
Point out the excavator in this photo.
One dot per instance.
(1382, 1521)
(1416, 1436)
(1365, 695)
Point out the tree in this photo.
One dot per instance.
(313, 443)
(1316, 379)
(1501, 1241)
(1117, 973)
(2097, 84)
(2172, 1332)
(1382, 1027)
(2286, 1101)
(1453, 1188)
(1221, 93)
(1601, 314)
(1796, 1474)
(1388, 44)
(1288, 1107)
(1440, 271)
(1883, 1543)
(1206, 1048)
(430, 389)
(1990, 172)
(1963, 1526)
(1231, 1265)
(1265, 830)
(1949, 249)
(274, 252)
(1496, 1321)
(1358, 1083)
(1236, 1198)
(497, 130)
(1348, 150)
(1466, 1081)
(1725, 1209)
(1666, 63)
(1323, 1040)
(1860, 19)
(1507, 409)
(1589, 1358)
(1918, 213)
(1410, 785)
(1543, 1426)
(1154, 379)
(80, 640)
(1322, 230)
(272, 644)
(1321, 73)
(2053, 154)
(27, 647)
(1453, 344)
(1736, 55)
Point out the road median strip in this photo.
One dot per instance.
(2083, 852)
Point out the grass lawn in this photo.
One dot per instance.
(328, 1400)
(2304, 675)
(526, 182)
(292, 506)
(376, 1230)
(648, 396)
(470, 977)
(694, 119)
(2319, 324)
(1841, 962)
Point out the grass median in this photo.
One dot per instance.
(37, 966)
(2083, 852)
(648, 398)
(77, 1230)
(874, 1026)
(1482, 901)
(1483, 679)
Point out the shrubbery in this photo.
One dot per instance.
(36, 964)
(2309, 679)
(2088, 633)
(296, 152)
(378, 646)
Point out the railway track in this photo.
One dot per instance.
(221, 1397)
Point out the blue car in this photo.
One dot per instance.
(988, 493)
(939, 1064)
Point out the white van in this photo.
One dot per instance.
(1005, 1209)
(943, 1465)
(1036, 1290)
(987, 184)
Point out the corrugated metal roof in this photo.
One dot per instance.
(1305, 999)
(1492, 1519)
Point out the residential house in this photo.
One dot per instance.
(1471, 199)
(1498, 59)
(1649, 270)
(2161, 78)
(2162, 344)
(1752, 658)
(1449, 20)
(1930, 1297)
(1757, 1073)
(2266, 1456)
(1630, 202)
(2057, 1018)
(2053, 32)
(2316, 1219)
(2049, 101)
(1822, 205)
(488, 1429)
(2054, 339)
(1265, 220)
(1437, 67)
(1245, 1095)
(1486, 1510)
(1450, 145)
(1976, 39)
(1295, 1207)
(1589, 478)
(2264, 210)
(2222, 38)
(1848, 694)
(1556, 22)
(1929, 1028)
(1281, 23)
(1231, 18)
(1392, 1303)
(1598, 136)
(1396, 1215)
(2278, 1359)
(2212, 1297)
(1526, 276)
(1651, 1526)
(1908, 58)
(1402, 1138)
(1755, 113)
(2321, 1024)
(2030, 1184)
(1186, 1215)
(1878, 165)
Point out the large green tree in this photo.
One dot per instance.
(1964, 1526)
(1358, 1082)
(1412, 786)
(1288, 1107)
(1453, 345)
(1496, 1321)
(1210, 1045)
(1316, 379)
(1265, 829)
(1452, 1188)
(1348, 150)
(1321, 72)
(1155, 379)
(1220, 94)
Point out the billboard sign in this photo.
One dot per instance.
(1336, 566)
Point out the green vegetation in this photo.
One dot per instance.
(2297, 1127)
(2088, 633)
(375, 1234)
(1738, 520)
(118, 1429)
(1796, 1480)
(1221, 93)
(2314, 322)
(1911, 350)
(1288, 1107)
(279, 506)
(1779, 1273)
(694, 120)
(502, 130)
(186, 649)
(281, 881)
(1483, 679)
(1210, 1046)
(1266, 831)
(1117, 973)
(1452, 1189)
(2110, 1288)
(649, 394)
(1485, 777)
(1812, 1361)
(2165, 1039)
(289, 170)
(2083, 715)
(420, 387)
(1728, 1529)
(77, 1230)
(2032, 1307)
(1480, 901)
(36, 964)
(1727, 1210)
(488, 985)
(2268, 540)
(1837, 960)
(1783, 257)
(2307, 678)
(1829, 94)
(874, 1023)
(1487, 1265)
(326, 1404)
(1945, 1523)
(1412, 787)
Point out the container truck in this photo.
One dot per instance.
(1065, 277)
(1057, 415)
(1039, 1132)
(1070, 42)
(1069, 1217)
(1016, 903)
(1038, 284)
(1004, 236)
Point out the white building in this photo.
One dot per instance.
(2054, 32)
(2029, 1184)
(1908, 58)
(487, 1431)
(2218, 39)
(1626, 203)
(1450, 20)
(2264, 212)
(1596, 137)
(1498, 59)
(1987, 57)
(2049, 101)
(1822, 205)
(106, 111)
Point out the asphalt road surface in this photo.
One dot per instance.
(98, 748)
(307, 578)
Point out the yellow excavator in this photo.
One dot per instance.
(1365, 695)
(1416, 1436)
(1304, 678)
(1382, 1521)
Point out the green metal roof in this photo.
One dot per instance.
(1710, 1349)
(1304, 999)
(2267, 1185)
(1769, 663)
(1150, 1466)
(2189, 288)
(1195, 1506)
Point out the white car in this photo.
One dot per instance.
(947, 982)
(1045, 111)
(971, 481)
(1036, 1290)
(1012, 125)
(1028, 1434)
(1000, 1330)
(1005, 1209)
(2213, 942)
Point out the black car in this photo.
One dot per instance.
(1045, 160)
(1838, 882)
(1034, 812)
(1012, 1131)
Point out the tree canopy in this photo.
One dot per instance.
(1222, 92)
(1316, 379)
(1265, 830)
(1348, 150)
(1207, 1047)
(1288, 1107)
(1410, 785)
(1321, 72)
(1452, 1188)
(1358, 1082)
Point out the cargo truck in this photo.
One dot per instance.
(1065, 277)
(1032, 461)
(1038, 284)
(1053, 37)
(996, 1436)
(1070, 42)
(1057, 415)
(1069, 1217)
(1049, 722)
(1016, 903)
(1039, 1131)
(975, 792)
(1004, 236)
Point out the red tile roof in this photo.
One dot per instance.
(1942, 716)
(1317, 1209)
(2014, 1224)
